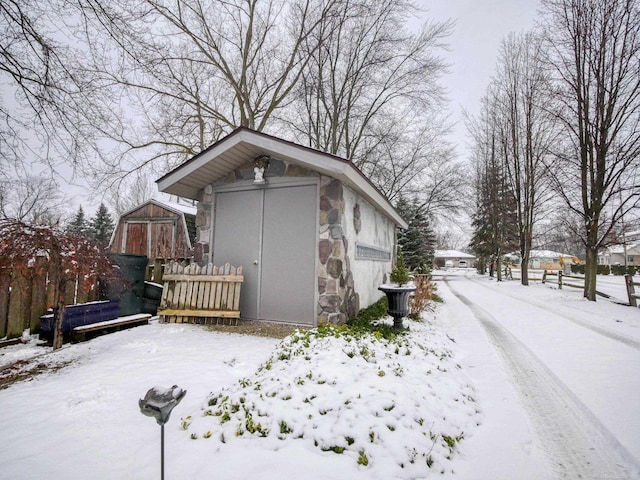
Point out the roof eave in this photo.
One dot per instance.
(320, 162)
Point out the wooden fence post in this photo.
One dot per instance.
(60, 291)
(82, 291)
(19, 303)
(631, 291)
(38, 292)
(544, 276)
(5, 281)
(559, 279)
(157, 270)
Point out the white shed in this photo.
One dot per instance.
(315, 237)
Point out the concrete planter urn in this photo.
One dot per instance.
(398, 301)
(398, 292)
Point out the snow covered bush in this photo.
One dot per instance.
(352, 392)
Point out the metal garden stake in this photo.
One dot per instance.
(158, 403)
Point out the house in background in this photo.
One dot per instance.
(545, 260)
(615, 255)
(314, 236)
(159, 230)
(452, 258)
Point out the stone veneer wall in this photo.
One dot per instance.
(202, 250)
(337, 299)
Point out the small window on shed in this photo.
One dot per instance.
(366, 252)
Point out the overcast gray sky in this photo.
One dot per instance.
(480, 26)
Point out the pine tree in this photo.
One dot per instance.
(400, 275)
(418, 240)
(78, 225)
(101, 226)
(482, 244)
(495, 219)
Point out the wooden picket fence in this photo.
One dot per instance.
(26, 292)
(200, 294)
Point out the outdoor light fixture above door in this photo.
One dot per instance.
(260, 164)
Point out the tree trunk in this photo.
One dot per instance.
(58, 316)
(58, 313)
(524, 270)
(590, 272)
(481, 266)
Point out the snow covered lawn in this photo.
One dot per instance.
(439, 402)
(83, 421)
(320, 404)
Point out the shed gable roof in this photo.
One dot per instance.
(187, 215)
(244, 144)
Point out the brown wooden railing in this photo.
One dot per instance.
(546, 278)
(631, 291)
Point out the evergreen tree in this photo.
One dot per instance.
(79, 225)
(101, 226)
(418, 240)
(400, 275)
(495, 219)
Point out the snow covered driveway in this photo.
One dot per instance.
(574, 366)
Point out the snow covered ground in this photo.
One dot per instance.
(573, 365)
(502, 382)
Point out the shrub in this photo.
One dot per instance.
(425, 291)
(368, 315)
(366, 320)
(577, 269)
(622, 270)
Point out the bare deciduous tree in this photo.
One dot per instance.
(31, 199)
(594, 47)
(408, 155)
(495, 217)
(196, 70)
(526, 132)
(192, 70)
(135, 189)
(46, 100)
(152, 82)
(368, 64)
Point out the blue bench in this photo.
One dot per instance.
(79, 333)
(81, 314)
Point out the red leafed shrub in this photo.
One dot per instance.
(21, 244)
(68, 257)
